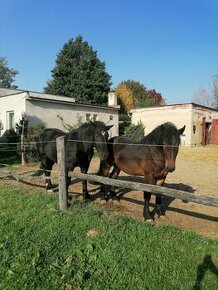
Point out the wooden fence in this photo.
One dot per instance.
(157, 190)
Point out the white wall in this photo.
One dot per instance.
(187, 114)
(15, 103)
(155, 116)
(40, 109)
(46, 113)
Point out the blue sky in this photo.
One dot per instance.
(168, 45)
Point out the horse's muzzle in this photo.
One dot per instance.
(170, 167)
(103, 156)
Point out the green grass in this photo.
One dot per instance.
(41, 248)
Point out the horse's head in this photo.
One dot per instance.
(171, 142)
(100, 138)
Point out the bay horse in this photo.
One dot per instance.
(80, 144)
(153, 157)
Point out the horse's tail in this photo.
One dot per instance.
(38, 172)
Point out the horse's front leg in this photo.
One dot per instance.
(146, 211)
(68, 179)
(115, 172)
(158, 205)
(86, 195)
(104, 171)
(149, 179)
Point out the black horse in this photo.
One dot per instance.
(8, 142)
(80, 144)
(153, 157)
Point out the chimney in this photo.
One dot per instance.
(112, 100)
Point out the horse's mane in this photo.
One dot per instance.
(88, 125)
(156, 136)
(98, 124)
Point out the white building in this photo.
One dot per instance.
(48, 109)
(201, 122)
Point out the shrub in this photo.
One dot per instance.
(135, 132)
(30, 142)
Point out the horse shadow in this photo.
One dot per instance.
(166, 200)
(207, 265)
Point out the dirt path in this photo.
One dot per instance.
(196, 171)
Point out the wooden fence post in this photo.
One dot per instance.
(62, 175)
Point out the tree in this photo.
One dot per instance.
(215, 91)
(132, 94)
(202, 97)
(6, 74)
(79, 73)
(208, 97)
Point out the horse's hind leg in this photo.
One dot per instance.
(48, 168)
(146, 211)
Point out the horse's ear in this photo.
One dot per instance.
(181, 130)
(108, 127)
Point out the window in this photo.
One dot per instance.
(10, 120)
(88, 117)
(95, 117)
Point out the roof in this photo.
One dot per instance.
(174, 106)
(4, 92)
(36, 96)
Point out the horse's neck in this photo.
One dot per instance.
(79, 135)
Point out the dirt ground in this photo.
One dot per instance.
(196, 171)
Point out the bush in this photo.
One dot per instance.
(30, 142)
(135, 132)
(124, 122)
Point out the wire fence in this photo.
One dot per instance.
(4, 174)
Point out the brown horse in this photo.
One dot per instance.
(153, 157)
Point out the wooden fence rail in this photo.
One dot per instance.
(157, 190)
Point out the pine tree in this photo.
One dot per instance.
(79, 73)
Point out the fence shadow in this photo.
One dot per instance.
(207, 265)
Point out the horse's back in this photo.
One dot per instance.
(50, 134)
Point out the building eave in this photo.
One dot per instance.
(183, 105)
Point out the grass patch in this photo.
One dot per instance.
(41, 248)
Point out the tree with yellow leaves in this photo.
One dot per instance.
(132, 94)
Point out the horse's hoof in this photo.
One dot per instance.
(162, 217)
(107, 197)
(50, 190)
(116, 202)
(150, 222)
(102, 201)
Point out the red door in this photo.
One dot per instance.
(214, 132)
(203, 132)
